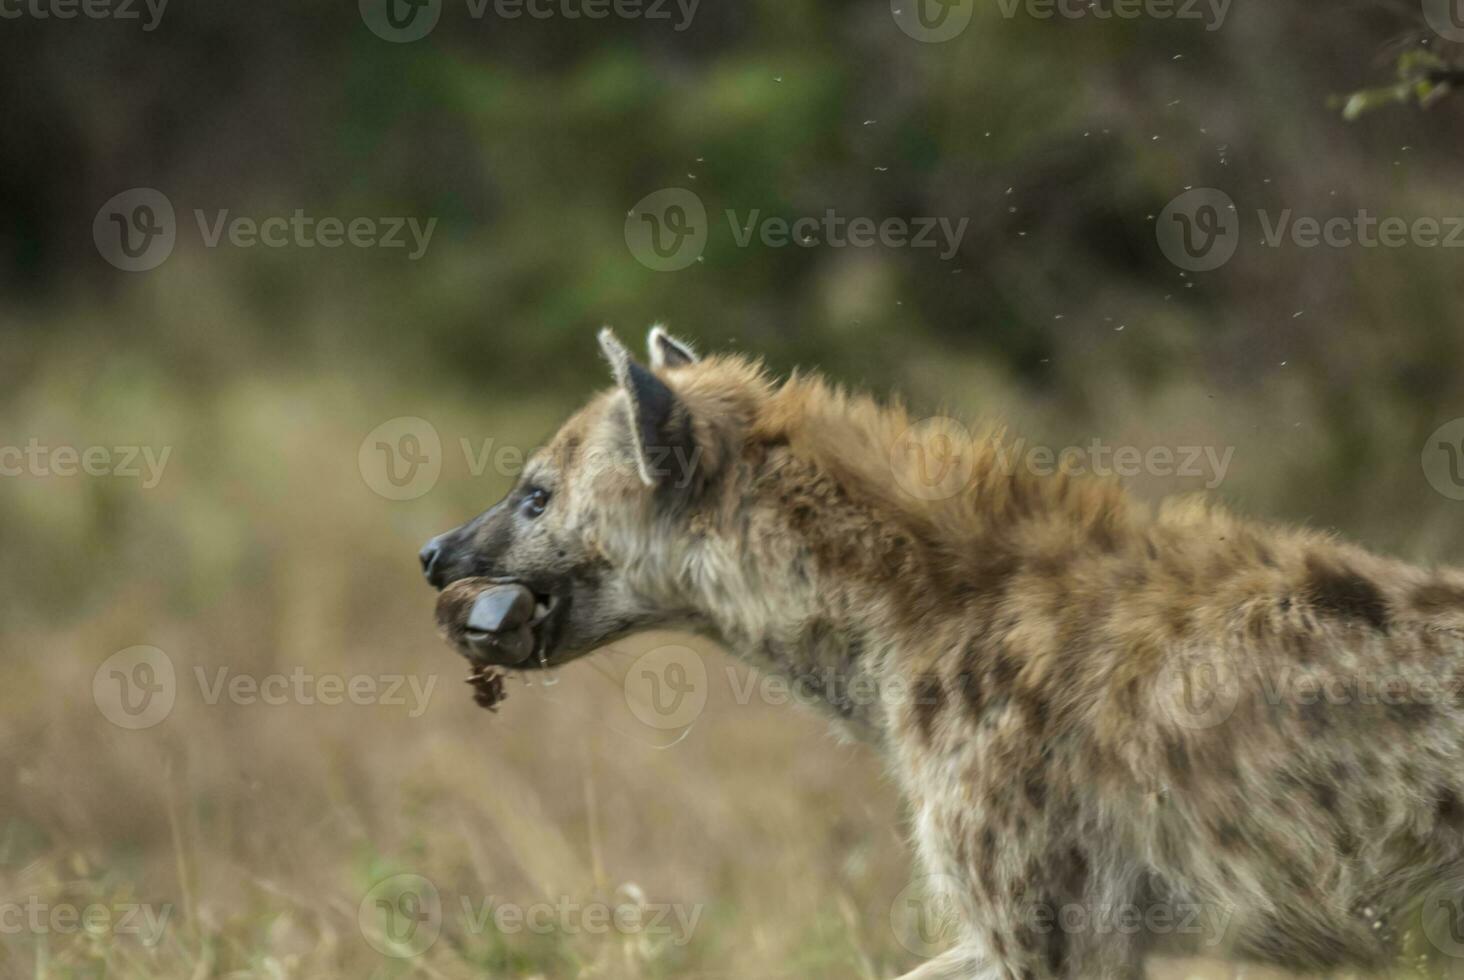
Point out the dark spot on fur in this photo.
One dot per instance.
(1056, 953)
(987, 861)
(1035, 708)
(1072, 872)
(968, 688)
(1343, 593)
(1314, 716)
(930, 697)
(1410, 714)
(1324, 793)
(1035, 786)
(1437, 598)
(1448, 808)
(1177, 756)
(1003, 671)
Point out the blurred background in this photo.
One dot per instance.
(226, 450)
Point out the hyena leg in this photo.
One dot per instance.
(955, 964)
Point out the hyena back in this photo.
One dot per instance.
(1120, 731)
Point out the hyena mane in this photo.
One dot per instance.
(1249, 735)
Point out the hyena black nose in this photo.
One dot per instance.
(430, 556)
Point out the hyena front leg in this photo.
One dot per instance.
(956, 964)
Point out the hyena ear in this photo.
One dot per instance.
(660, 424)
(667, 351)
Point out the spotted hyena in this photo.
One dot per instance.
(1120, 730)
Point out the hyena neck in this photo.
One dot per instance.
(831, 568)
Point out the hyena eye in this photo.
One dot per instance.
(534, 502)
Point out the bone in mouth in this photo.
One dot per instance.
(493, 620)
(492, 623)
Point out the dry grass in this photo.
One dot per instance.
(263, 828)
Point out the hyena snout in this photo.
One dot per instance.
(430, 557)
(447, 557)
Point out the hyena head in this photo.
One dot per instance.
(599, 524)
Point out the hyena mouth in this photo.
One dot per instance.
(501, 623)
